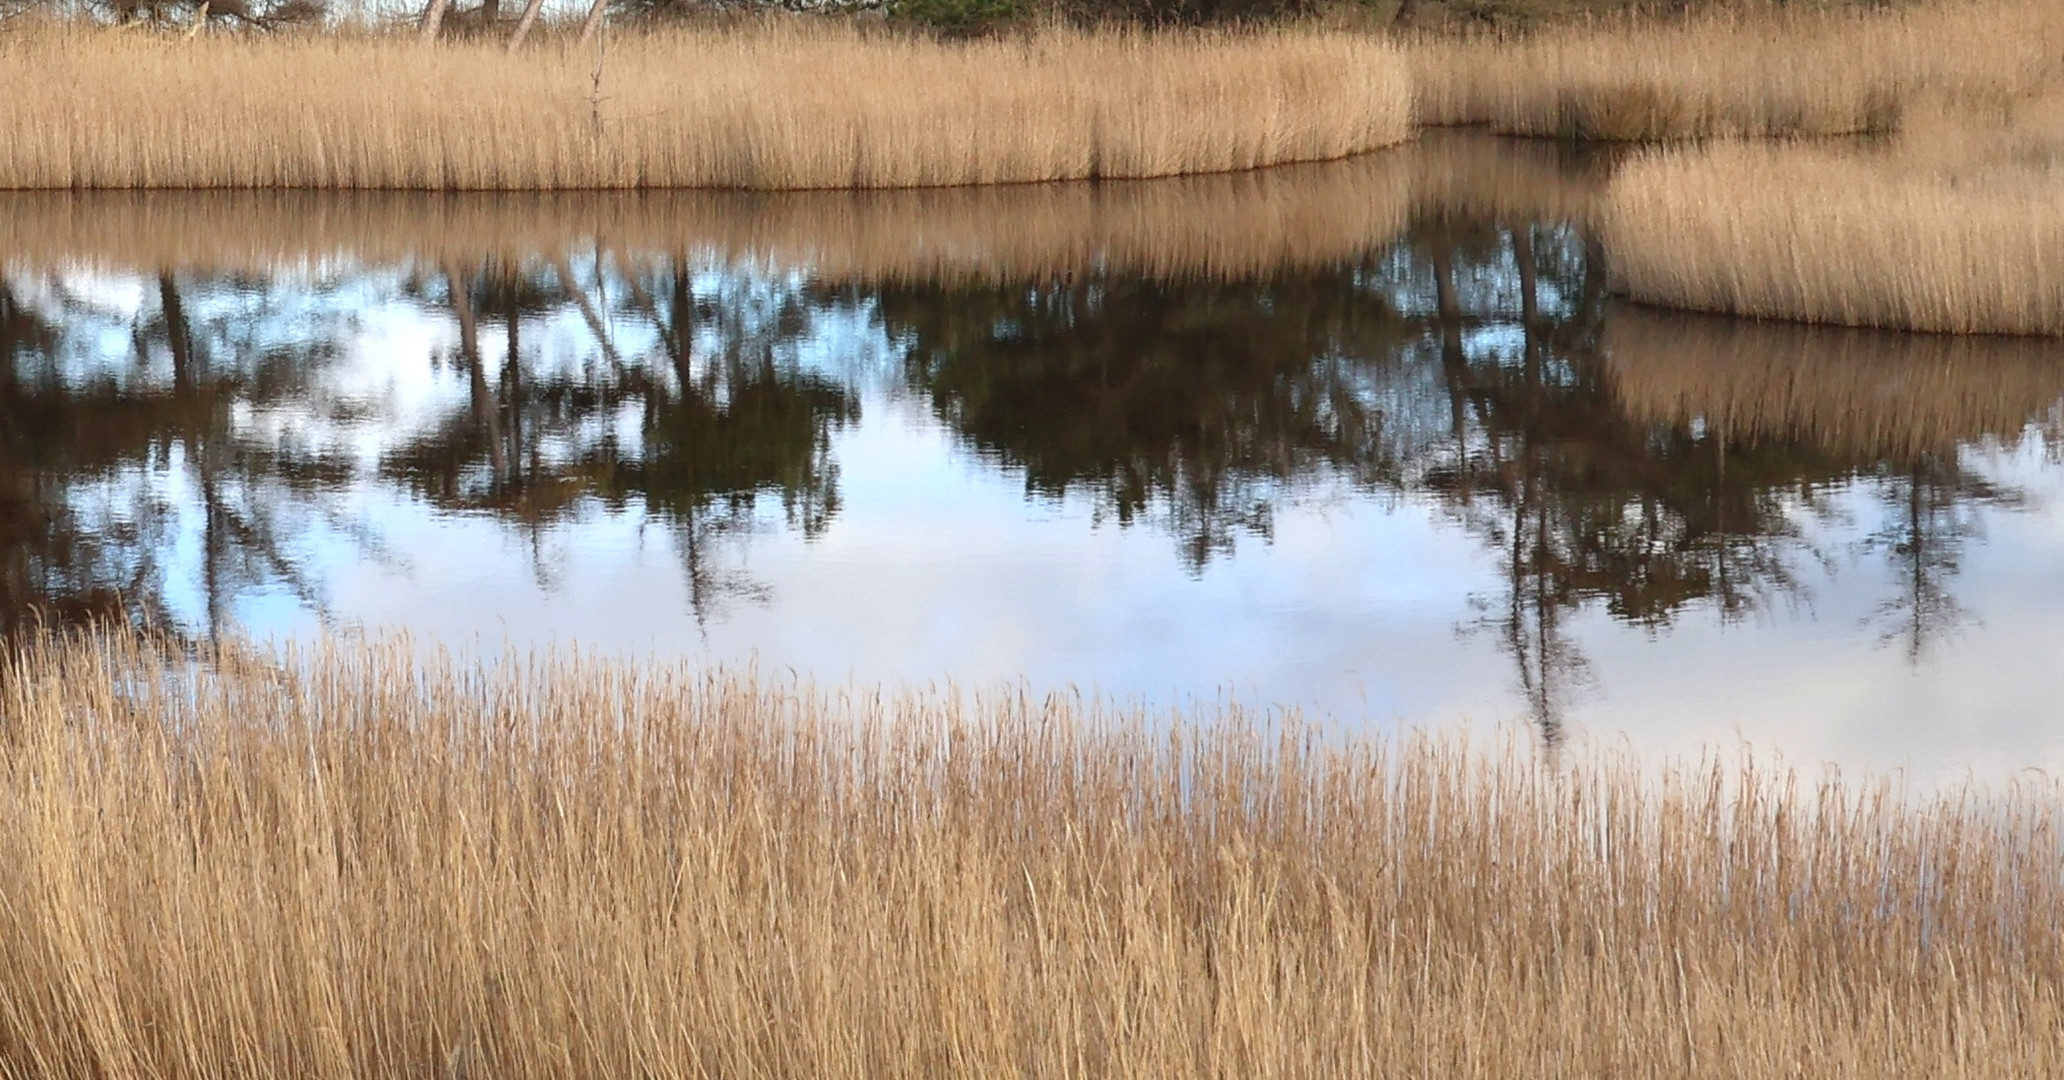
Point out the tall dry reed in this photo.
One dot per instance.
(1868, 393)
(752, 108)
(1743, 72)
(357, 864)
(1835, 236)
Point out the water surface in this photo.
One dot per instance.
(1372, 439)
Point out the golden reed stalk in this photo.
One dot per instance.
(356, 862)
(759, 108)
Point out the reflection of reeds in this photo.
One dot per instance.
(1468, 176)
(1830, 236)
(1230, 225)
(564, 868)
(1774, 71)
(759, 108)
(1238, 224)
(1866, 392)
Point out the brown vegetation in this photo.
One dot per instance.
(1463, 175)
(1837, 236)
(350, 865)
(1745, 71)
(1230, 225)
(1866, 393)
(760, 108)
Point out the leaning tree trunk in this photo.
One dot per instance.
(593, 22)
(523, 25)
(433, 17)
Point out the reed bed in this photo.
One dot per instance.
(1744, 72)
(1237, 225)
(360, 861)
(1866, 393)
(1835, 236)
(760, 108)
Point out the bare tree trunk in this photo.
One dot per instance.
(593, 22)
(490, 12)
(433, 17)
(523, 25)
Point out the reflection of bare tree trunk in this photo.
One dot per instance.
(642, 300)
(587, 310)
(1595, 279)
(1529, 276)
(1917, 554)
(484, 411)
(684, 323)
(523, 25)
(177, 333)
(212, 528)
(1454, 364)
(512, 394)
(1546, 713)
(1529, 313)
(200, 453)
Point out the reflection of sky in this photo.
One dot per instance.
(938, 567)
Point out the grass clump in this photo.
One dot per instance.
(1838, 236)
(1753, 71)
(357, 862)
(765, 107)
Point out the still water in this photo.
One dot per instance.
(1372, 439)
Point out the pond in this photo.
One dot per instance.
(1371, 439)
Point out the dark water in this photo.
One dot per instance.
(1441, 475)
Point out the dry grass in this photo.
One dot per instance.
(1743, 72)
(1867, 393)
(1228, 225)
(355, 866)
(1836, 236)
(759, 108)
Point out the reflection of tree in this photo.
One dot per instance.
(1465, 367)
(1933, 501)
(1194, 403)
(50, 564)
(115, 469)
(725, 415)
(730, 425)
(1581, 504)
(88, 454)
